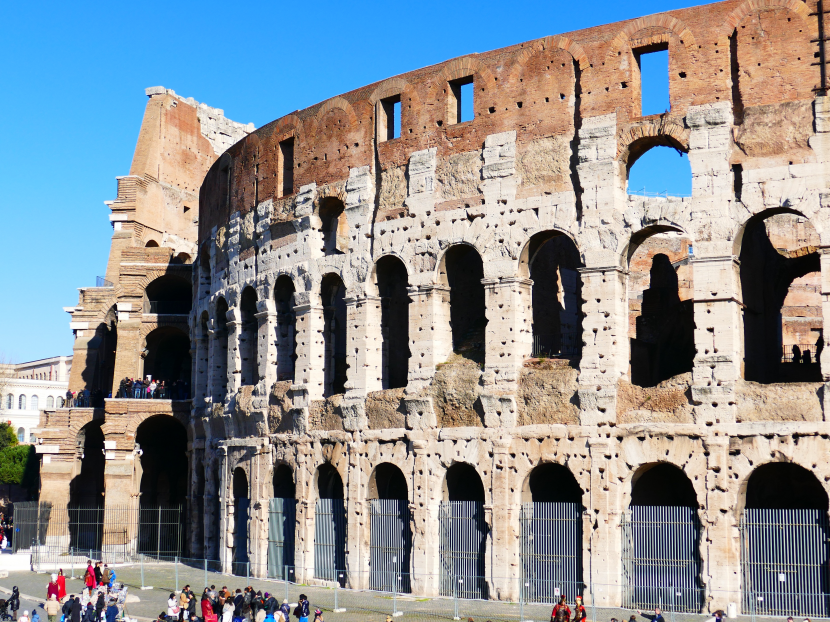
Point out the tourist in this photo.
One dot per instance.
(657, 617)
(14, 601)
(89, 576)
(66, 610)
(285, 608)
(227, 609)
(24, 617)
(301, 610)
(579, 611)
(318, 615)
(99, 575)
(89, 615)
(207, 607)
(52, 588)
(112, 611)
(562, 605)
(106, 579)
(100, 604)
(53, 608)
(172, 607)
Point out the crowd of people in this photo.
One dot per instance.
(246, 605)
(150, 389)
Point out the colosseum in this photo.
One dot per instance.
(458, 356)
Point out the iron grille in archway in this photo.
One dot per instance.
(330, 540)
(390, 545)
(463, 538)
(551, 551)
(661, 561)
(784, 562)
(281, 524)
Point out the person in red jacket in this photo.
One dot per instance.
(562, 605)
(89, 577)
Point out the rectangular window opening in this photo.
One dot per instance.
(389, 118)
(653, 62)
(461, 100)
(738, 180)
(287, 166)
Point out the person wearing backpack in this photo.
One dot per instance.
(301, 610)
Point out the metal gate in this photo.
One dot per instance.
(330, 540)
(282, 521)
(31, 520)
(463, 539)
(390, 545)
(551, 551)
(661, 560)
(784, 562)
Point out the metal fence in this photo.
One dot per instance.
(330, 540)
(784, 562)
(105, 533)
(282, 515)
(390, 545)
(800, 353)
(551, 551)
(661, 559)
(463, 539)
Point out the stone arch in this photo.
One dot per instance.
(748, 6)
(673, 24)
(393, 86)
(542, 484)
(371, 275)
(287, 126)
(283, 479)
(634, 140)
(549, 43)
(336, 102)
(163, 463)
(463, 482)
(465, 66)
(461, 269)
(387, 481)
(642, 234)
(167, 355)
(677, 486)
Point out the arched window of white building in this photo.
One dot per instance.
(21, 403)
(50, 402)
(21, 435)
(9, 401)
(34, 402)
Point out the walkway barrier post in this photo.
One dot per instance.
(176, 566)
(247, 572)
(336, 590)
(206, 583)
(522, 600)
(141, 561)
(395, 595)
(72, 561)
(285, 577)
(456, 583)
(593, 602)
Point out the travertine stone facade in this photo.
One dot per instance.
(557, 126)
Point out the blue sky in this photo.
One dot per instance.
(74, 76)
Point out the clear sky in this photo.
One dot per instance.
(74, 76)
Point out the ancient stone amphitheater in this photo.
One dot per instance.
(462, 353)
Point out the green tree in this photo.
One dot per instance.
(7, 436)
(19, 465)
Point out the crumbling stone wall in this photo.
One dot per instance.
(557, 124)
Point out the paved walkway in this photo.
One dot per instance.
(359, 606)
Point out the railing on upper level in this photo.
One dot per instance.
(102, 282)
(800, 353)
(642, 192)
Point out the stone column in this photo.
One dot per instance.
(720, 541)
(261, 492)
(825, 322)
(218, 369)
(213, 502)
(718, 362)
(304, 541)
(308, 372)
(357, 516)
(430, 335)
(225, 547)
(266, 317)
(365, 343)
(234, 370)
(509, 341)
(201, 388)
(425, 532)
(197, 499)
(602, 566)
(605, 343)
(505, 527)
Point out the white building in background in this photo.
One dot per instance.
(28, 388)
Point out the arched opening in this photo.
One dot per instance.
(50, 402)
(552, 261)
(658, 169)
(781, 288)
(463, 532)
(168, 295)
(333, 294)
(390, 539)
(661, 308)
(21, 435)
(241, 503)
(163, 472)
(462, 270)
(21, 402)
(551, 534)
(286, 328)
(281, 522)
(248, 337)
(151, 244)
(86, 490)
(662, 523)
(35, 404)
(219, 354)
(167, 361)
(785, 533)
(100, 361)
(182, 258)
(334, 226)
(330, 531)
(392, 283)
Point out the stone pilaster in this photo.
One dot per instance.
(430, 334)
(266, 317)
(602, 564)
(308, 373)
(425, 531)
(235, 328)
(304, 542)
